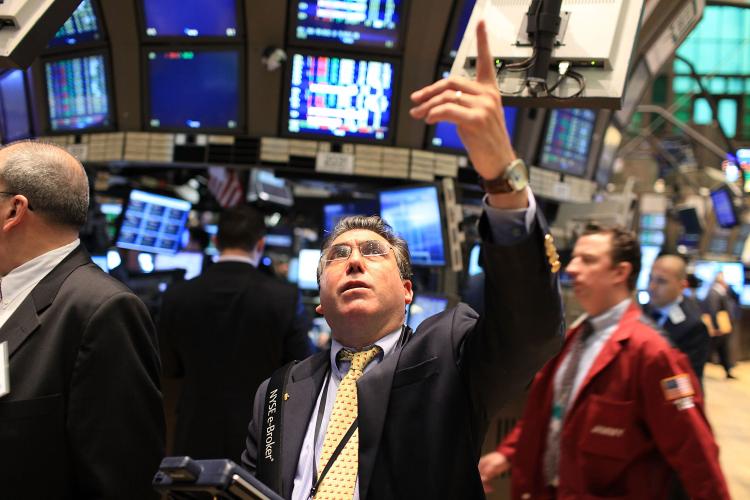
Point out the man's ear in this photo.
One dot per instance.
(408, 292)
(319, 309)
(15, 213)
(623, 270)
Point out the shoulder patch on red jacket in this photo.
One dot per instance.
(677, 387)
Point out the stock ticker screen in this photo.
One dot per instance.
(153, 223)
(15, 121)
(81, 26)
(77, 93)
(341, 97)
(190, 18)
(567, 141)
(360, 23)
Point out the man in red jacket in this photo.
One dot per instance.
(618, 413)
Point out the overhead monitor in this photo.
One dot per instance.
(190, 19)
(423, 306)
(597, 38)
(152, 223)
(80, 28)
(706, 271)
(649, 254)
(78, 93)
(333, 212)
(191, 262)
(608, 155)
(360, 24)
(265, 188)
(636, 87)
(740, 239)
(15, 115)
(719, 243)
(111, 212)
(567, 141)
(194, 89)
(461, 14)
(724, 210)
(651, 237)
(307, 269)
(653, 221)
(414, 214)
(340, 97)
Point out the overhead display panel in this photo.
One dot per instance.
(190, 19)
(82, 27)
(567, 141)
(340, 96)
(15, 119)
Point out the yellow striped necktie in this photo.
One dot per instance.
(339, 482)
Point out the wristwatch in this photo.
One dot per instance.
(514, 179)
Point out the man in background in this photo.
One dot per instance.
(679, 317)
(223, 333)
(719, 305)
(81, 412)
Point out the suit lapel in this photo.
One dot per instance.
(373, 391)
(20, 325)
(303, 390)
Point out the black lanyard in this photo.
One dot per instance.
(339, 448)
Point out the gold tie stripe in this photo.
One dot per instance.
(339, 482)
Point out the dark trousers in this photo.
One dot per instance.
(720, 344)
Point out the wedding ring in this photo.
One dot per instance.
(458, 96)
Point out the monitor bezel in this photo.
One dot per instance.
(452, 30)
(29, 109)
(171, 40)
(111, 101)
(241, 84)
(441, 217)
(728, 193)
(102, 42)
(287, 89)
(336, 46)
(594, 143)
(449, 302)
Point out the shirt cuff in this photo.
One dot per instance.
(513, 225)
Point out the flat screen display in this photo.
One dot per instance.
(190, 18)
(339, 96)
(356, 23)
(333, 212)
(445, 134)
(15, 121)
(78, 93)
(423, 307)
(567, 141)
(191, 262)
(608, 155)
(414, 214)
(265, 187)
(460, 28)
(82, 26)
(648, 257)
(726, 216)
(706, 271)
(307, 269)
(153, 223)
(211, 100)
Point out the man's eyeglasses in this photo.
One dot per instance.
(369, 249)
(8, 193)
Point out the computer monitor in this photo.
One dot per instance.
(307, 269)
(745, 296)
(719, 243)
(15, 116)
(690, 220)
(265, 188)
(111, 212)
(194, 89)
(567, 141)
(461, 14)
(423, 306)
(607, 156)
(333, 212)
(414, 214)
(475, 267)
(726, 214)
(190, 19)
(340, 97)
(648, 257)
(78, 93)
(653, 221)
(191, 262)
(152, 223)
(82, 27)
(360, 24)
(706, 271)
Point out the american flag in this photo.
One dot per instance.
(677, 387)
(225, 185)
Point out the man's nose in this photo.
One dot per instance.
(355, 262)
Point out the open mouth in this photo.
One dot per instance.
(352, 285)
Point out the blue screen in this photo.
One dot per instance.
(191, 262)
(15, 122)
(340, 96)
(153, 223)
(332, 212)
(648, 257)
(423, 307)
(724, 208)
(360, 23)
(445, 134)
(567, 141)
(414, 214)
(706, 271)
(77, 93)
(101, 261)
(190, 18)
(194, 89)
(475, 267)
(82, 26)
(463, 21)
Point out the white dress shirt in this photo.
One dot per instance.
(18, 284)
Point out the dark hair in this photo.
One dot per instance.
(377, 225)
(42, 173)
(240, 227)
(625, 248)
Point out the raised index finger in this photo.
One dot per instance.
(485, 66)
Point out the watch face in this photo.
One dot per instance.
(517, 177)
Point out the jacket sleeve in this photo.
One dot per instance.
(509, 443)
(679, 426)
(250, 455)
(115, 421)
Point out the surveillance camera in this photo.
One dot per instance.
(273, 58)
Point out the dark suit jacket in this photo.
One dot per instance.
(225, 332)
(424, 410)
(84, 417)
(689, 336)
